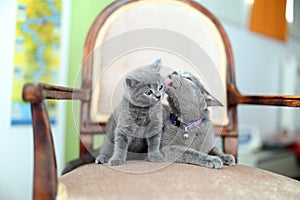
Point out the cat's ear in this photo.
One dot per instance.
(156, 65)
(211, 100)
(131, 82)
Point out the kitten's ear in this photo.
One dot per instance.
(131, 82)
(211, 100)
(156, 65)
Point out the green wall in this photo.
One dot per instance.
(83, 14)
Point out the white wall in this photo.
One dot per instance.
(16, 143)
(257, 61)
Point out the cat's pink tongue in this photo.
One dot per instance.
(168, 80)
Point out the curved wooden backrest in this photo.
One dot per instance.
(129, 34)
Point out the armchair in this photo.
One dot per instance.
(177, 180)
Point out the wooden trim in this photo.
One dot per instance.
(37, 92)
(230, 145)
(271, 100)
(93, 129)
(235, 98)
(31, 93)
(45, 170)
(86, 144)
(58, 92)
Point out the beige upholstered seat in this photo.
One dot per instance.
(176, 181)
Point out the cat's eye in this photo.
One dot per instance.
(148, 92)
(160, 87)
(188, 78)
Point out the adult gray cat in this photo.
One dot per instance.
(191, 139)
(136, 124)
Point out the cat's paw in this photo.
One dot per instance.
(101, 159)
(228, 159)
(156, 157)
(214, 162)
(115, 162)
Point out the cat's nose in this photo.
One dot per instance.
(158, 97)
(175, 73)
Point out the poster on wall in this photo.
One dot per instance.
(37, 53)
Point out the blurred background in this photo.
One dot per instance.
(267, 61)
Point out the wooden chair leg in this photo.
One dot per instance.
(231, 145)
(45, 170)
(86, 144)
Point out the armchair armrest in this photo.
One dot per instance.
(235, 98)
(45, 170)
(272, 100)
(37, 92)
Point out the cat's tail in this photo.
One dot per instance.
(83, 160)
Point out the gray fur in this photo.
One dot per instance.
(136, 125)
(189, 100)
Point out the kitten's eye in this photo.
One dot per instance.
(148, 92)
(160, 87)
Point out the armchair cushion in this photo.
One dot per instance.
(176, 181)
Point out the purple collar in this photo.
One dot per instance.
(186, 126)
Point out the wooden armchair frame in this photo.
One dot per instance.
(45, 172)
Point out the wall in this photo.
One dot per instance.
(16, 143)
(257, 61)
(82, 17)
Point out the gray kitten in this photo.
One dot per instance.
(136, 124)
(188, 136)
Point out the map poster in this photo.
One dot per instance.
(37, 53)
